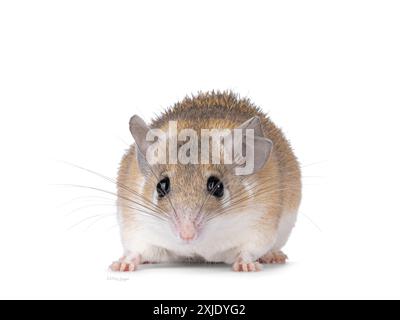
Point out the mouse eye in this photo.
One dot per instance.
(163, 187)
(215, 187)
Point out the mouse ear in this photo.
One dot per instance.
(255, 124)
(139, 130)
(256, 147)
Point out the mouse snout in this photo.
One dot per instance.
(187, 231)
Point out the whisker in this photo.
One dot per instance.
(312, 164)
(83, 220)
(105, 191)
(97, 220)
(66, 203)
(237, 209)
(312, 222)
(121, 185)
(248, 197)
(102, 205)
(86, 207)
(156, 177)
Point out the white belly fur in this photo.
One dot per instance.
(286, 224)
(217, 244)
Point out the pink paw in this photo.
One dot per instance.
(125, 265)
(241, 266)
(274, 257)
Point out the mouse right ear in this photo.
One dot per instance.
(139, 130)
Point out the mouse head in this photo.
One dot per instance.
(195, 173)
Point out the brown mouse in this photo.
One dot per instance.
(174, 212)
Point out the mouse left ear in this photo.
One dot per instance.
(257, 148)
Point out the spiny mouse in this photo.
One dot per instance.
(206, 211)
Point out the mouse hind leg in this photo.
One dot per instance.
(275, 255)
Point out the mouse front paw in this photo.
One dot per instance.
(125, 264)
(241, 266)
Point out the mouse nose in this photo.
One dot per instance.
(187, 231)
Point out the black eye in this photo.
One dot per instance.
(215, 187)
(163, 187)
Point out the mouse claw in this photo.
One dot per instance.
(122, 267)
(241, 266)
(131, 267)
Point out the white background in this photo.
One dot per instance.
(72, 73)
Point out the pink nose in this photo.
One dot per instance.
(187, 231)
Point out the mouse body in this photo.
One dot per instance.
(174, 212)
